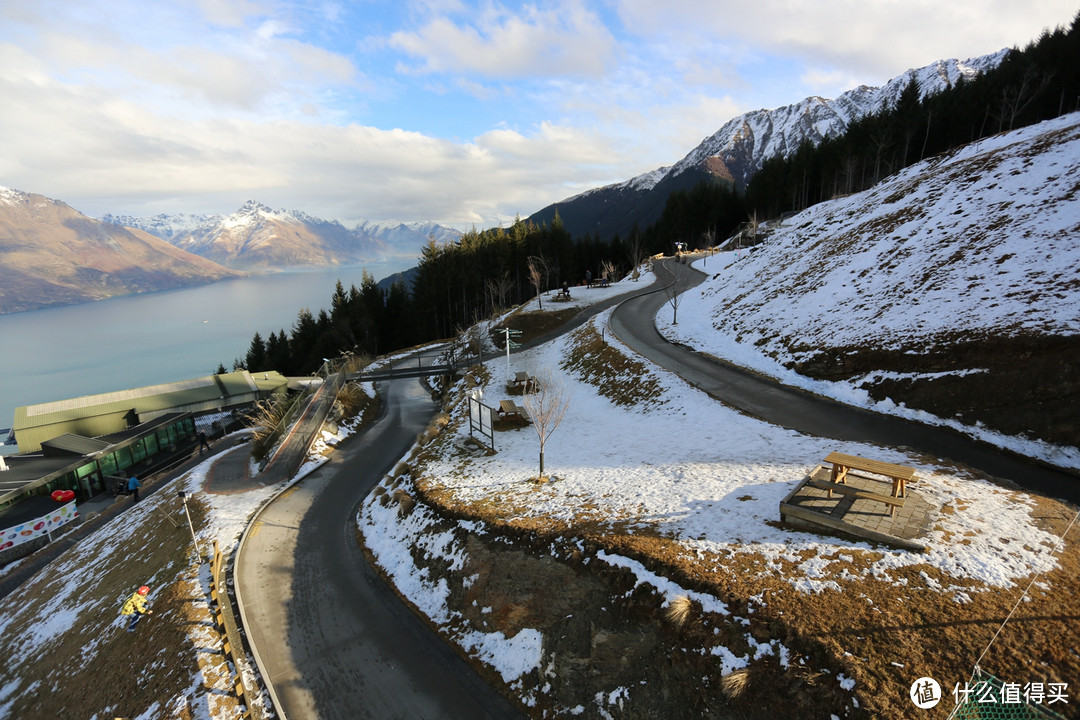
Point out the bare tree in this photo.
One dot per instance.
(498, 290)
(546, 407)
(635, 250)
(673, 298)
(537, 275)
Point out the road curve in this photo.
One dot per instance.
(634, 323)
(331, 639)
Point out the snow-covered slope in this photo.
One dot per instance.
(953, 286)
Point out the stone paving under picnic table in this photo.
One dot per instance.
(864, 518)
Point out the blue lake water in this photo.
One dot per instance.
(139, 340)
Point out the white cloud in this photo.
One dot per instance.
(566, 40)
(876, 39)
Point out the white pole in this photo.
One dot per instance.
(198, 550)
(507, 354)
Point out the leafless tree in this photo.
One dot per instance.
(537, 276)
(546, 407)
(636, 249)
(673, 298)
(498, 290)
(607, 270)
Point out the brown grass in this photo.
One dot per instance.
(533, 324)
(619, 378)
(128, 673)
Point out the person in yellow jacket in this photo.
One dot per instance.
(136, 607)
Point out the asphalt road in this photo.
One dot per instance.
(332, 639)
(633, 322)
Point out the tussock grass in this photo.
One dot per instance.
(264, 419)
(679, 610)
(619, 378)
(734, 683)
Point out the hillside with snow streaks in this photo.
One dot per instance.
(924, 288)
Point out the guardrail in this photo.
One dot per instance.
(226, 622)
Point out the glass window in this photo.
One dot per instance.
(138, 452)
(123, 458)
(150, 441)
(107, 463)
(86, 469)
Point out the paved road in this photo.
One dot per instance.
(633, 323)
(332, 639)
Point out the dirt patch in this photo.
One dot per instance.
(533, 324)
(1026, 385)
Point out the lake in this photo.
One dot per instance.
(137, 340)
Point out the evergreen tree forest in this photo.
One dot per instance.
(484, 271)
(1038, 83)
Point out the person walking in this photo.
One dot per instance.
(135, 607)
(203, 443)
(133, 488)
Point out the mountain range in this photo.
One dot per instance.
(51, 254)
(258, 238)
(741, 146)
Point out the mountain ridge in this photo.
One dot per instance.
(259, 238)
(739, 148)
(51, 254)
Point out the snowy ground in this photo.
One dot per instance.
(686, 467)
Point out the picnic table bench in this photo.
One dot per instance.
(843, 464)
(831, 487)
(897, 474)
(523, 380)
(509, 407)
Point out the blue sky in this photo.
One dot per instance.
(466, 113)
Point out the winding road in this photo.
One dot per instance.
(333, 641)
(331, 638)
(633, 322)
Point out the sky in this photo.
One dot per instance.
(463, 112)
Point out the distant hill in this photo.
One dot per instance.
(261, 239)
(51, 254)
(738, 149)
(950, 288)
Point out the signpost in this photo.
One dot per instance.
(510, 344)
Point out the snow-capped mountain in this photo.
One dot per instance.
(741, 146)
(51, 254)
(258, 237)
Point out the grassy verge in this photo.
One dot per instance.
(68, 654)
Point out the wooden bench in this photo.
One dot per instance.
(509, 407)
(897, 474)
(831, 487)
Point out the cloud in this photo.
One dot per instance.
(876, 39)
(567, 40)
(102, 149)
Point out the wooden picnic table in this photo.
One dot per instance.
(897, 474)
(509, 407)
